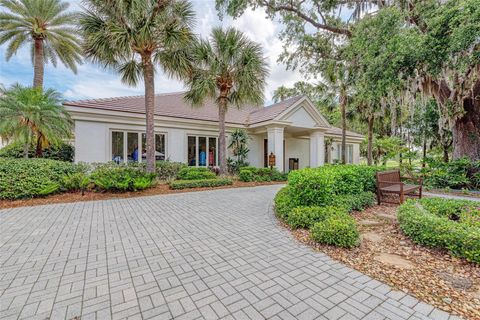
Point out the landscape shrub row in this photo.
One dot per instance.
(194, 173)
(251, 174)
(61, 152)
(441, 223)
(456, 174)
(320, 199)
(29, 178)
(201, 183)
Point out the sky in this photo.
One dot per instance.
(93, 81)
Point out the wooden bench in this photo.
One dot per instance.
(390, 182)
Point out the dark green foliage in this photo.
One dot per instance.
(75, 182)
(167, 170)
(28, 178)
(61, 152)
(284, 202)
(340, 231)
(320, 186)
(249, 174)
(113, 177)
(355, 202)
(440, 223)
(194, 173)
(306, 217)
(199, 183)
(456, 174)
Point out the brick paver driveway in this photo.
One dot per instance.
(216, 254)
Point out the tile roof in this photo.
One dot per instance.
(173, 105)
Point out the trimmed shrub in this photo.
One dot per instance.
(319, 186)
(337, 230)
(114, 177)
(356, 202)
(185, 184)
(167, 170)
(443, 223)
(284, 202)
(75, 182)
(29, 178)
(306, 217)
(61, 152)
(194, 173)
(250, 174)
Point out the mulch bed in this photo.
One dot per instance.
(435, 277)
(91, 196)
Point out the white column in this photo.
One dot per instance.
(275, 145)
(317, 149)
(356, 153)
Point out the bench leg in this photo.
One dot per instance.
(401, 197)
(420, 193)
(379, 197)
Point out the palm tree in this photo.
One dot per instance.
(49, 29)
(282, 93)
(229, 69)
(28, 115)
(131, 36)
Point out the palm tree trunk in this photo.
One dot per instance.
(38, 64)
(222, 148)
(343, 107)
(370, 140)
(148, 75)
(38, 149)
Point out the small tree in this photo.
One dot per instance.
(239, 146)
(229, 69)
(28, 115)
(49, 28)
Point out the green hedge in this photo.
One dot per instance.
(319, 186)
(455, 174)
(356, 202)
(340, 231)
(123, 177)
(186, 184)
(306, 217)
(28, 178)
(194, 173)
(61, 152)
(167, 170)
(250, 174)
(440, 223)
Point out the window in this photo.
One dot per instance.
(125, 146)
(117, 146)
(202, 151)
(349, 155)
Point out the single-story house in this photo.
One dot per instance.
(294, 130)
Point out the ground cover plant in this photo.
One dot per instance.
(199, 183)
(448, 224)
(194, 173)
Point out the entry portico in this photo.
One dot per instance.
(293, 130)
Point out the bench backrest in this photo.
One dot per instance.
(388, 176)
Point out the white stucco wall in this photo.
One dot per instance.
(255, 145)
(297, 148)
(91, 142)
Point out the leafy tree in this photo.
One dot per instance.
(132, 37)
(239, 144)
(28, 115)
(230, 69)
(49, 28)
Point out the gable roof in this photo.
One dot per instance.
(174, 105)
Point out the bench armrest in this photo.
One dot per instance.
(419, 181)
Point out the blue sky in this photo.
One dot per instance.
(92, 81)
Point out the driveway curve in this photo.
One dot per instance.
(199, 255)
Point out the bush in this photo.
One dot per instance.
(284, 202)
(167, 170)
(78, 181)
(28, 178)
(337, 230)
(456, 174)
(62, 152)
(356, 202)
(194, 173)
(185, 184)
(320, 186)
(443, 223)
(114, 177)
(250, 174)
(306, 217)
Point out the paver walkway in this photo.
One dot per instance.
(215, 254)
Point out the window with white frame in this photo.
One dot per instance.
(202, 151)
(349, 155)
(125, 146)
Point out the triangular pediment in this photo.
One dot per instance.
(304, 114)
